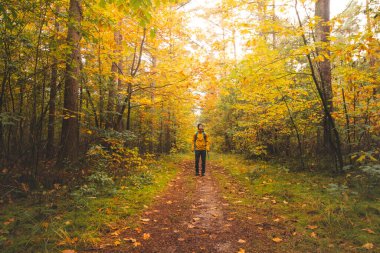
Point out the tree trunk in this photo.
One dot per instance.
(113, 82)
(70, 129)
(53, 94)
(322, 10)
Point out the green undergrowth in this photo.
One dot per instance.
(330, 213)
(79, 218)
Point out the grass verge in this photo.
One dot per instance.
(328, 213)
(66, 222)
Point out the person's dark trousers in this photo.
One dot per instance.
(200, 154)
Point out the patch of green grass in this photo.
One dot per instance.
(76, 223)
(345, 219)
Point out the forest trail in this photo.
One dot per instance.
(194, 216)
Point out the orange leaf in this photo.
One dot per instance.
(146, 236)
(368, 245)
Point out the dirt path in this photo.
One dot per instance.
(193, 216)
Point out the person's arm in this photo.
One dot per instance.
(192, 144)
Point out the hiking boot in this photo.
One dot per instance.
(203, 174)
(196, 174)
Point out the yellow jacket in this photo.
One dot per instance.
(201, 143)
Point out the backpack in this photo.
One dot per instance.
(196, 136)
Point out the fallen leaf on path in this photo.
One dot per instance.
(241, 241)
(116, 233)
(249, 218)
(145, 219)
(190, 226)
(229, 219)
(274, 201)
(312, 227)
(368, 245)
(314, 235)
(135, 244)
(276, 220)
(146, 236)
(130, 239)
(68, 251)
(196, 219)
(9, 221)
(138, 230)
(277, 239)
(370, 231)
(117, 242)
(241, 251)
(285, 202)
(181, 239)
(169, 202)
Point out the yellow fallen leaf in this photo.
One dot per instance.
(136, 244)
(117, 242)
(196, 219)
(116, 233)
(312, 227)
(277, 239)
(130, 239)
(146, 236)
(68, 251)
(368, 245)
(370, 231)
(241, 241)
(276, 220)
(169, 202)
(45, 225)
(313, 234)
(241, 250)
(181, 239)
(138, 230)
(144, 219)
(230, 219)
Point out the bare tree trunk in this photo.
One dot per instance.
(53, 94)
(70, 129)
(319, 84)
(322, 11)
(133, 71)
(113, 82)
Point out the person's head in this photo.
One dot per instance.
(200, 127)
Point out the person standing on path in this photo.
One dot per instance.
(200, 146)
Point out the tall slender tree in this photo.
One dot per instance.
(322, 13)
(70, 123)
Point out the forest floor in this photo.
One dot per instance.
(239, 206)
(225, 211)
(193, 215)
